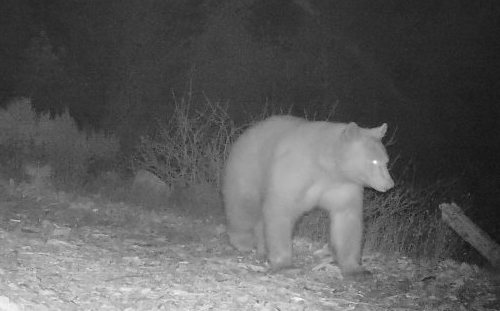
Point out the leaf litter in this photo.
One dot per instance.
(65, 252)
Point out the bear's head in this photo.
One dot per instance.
(364, 158)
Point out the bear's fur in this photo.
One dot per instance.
(284, 166)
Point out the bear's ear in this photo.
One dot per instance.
(351, 130)
(379, 132)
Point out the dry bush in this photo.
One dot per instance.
(407, 220)
(28, 137)
(189, 150)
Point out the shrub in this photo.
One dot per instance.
(407, 220)
(190, 147)
(26, 137)
(18, 135)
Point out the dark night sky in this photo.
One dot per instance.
(428, 68)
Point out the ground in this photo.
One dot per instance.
(61, 251)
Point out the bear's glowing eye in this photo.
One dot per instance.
(375, 162)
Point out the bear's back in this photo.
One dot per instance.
(262, 137)
(251, 154)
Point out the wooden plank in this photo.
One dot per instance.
(453, 215)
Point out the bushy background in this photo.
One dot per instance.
(188, 152)
(118, 86)
(28, 138)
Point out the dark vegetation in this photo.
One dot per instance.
(166, 86)
(188, 153)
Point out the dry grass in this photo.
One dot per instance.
(190, 147)
(188, 152)
(407, 220)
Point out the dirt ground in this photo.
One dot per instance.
(60, 251)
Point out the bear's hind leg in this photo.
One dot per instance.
(246, 240)
(243, 214)
(278, 227)
(260, 238)
(346, 229)
(243, 241)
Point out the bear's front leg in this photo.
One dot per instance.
(346, 230)
(278, 227)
